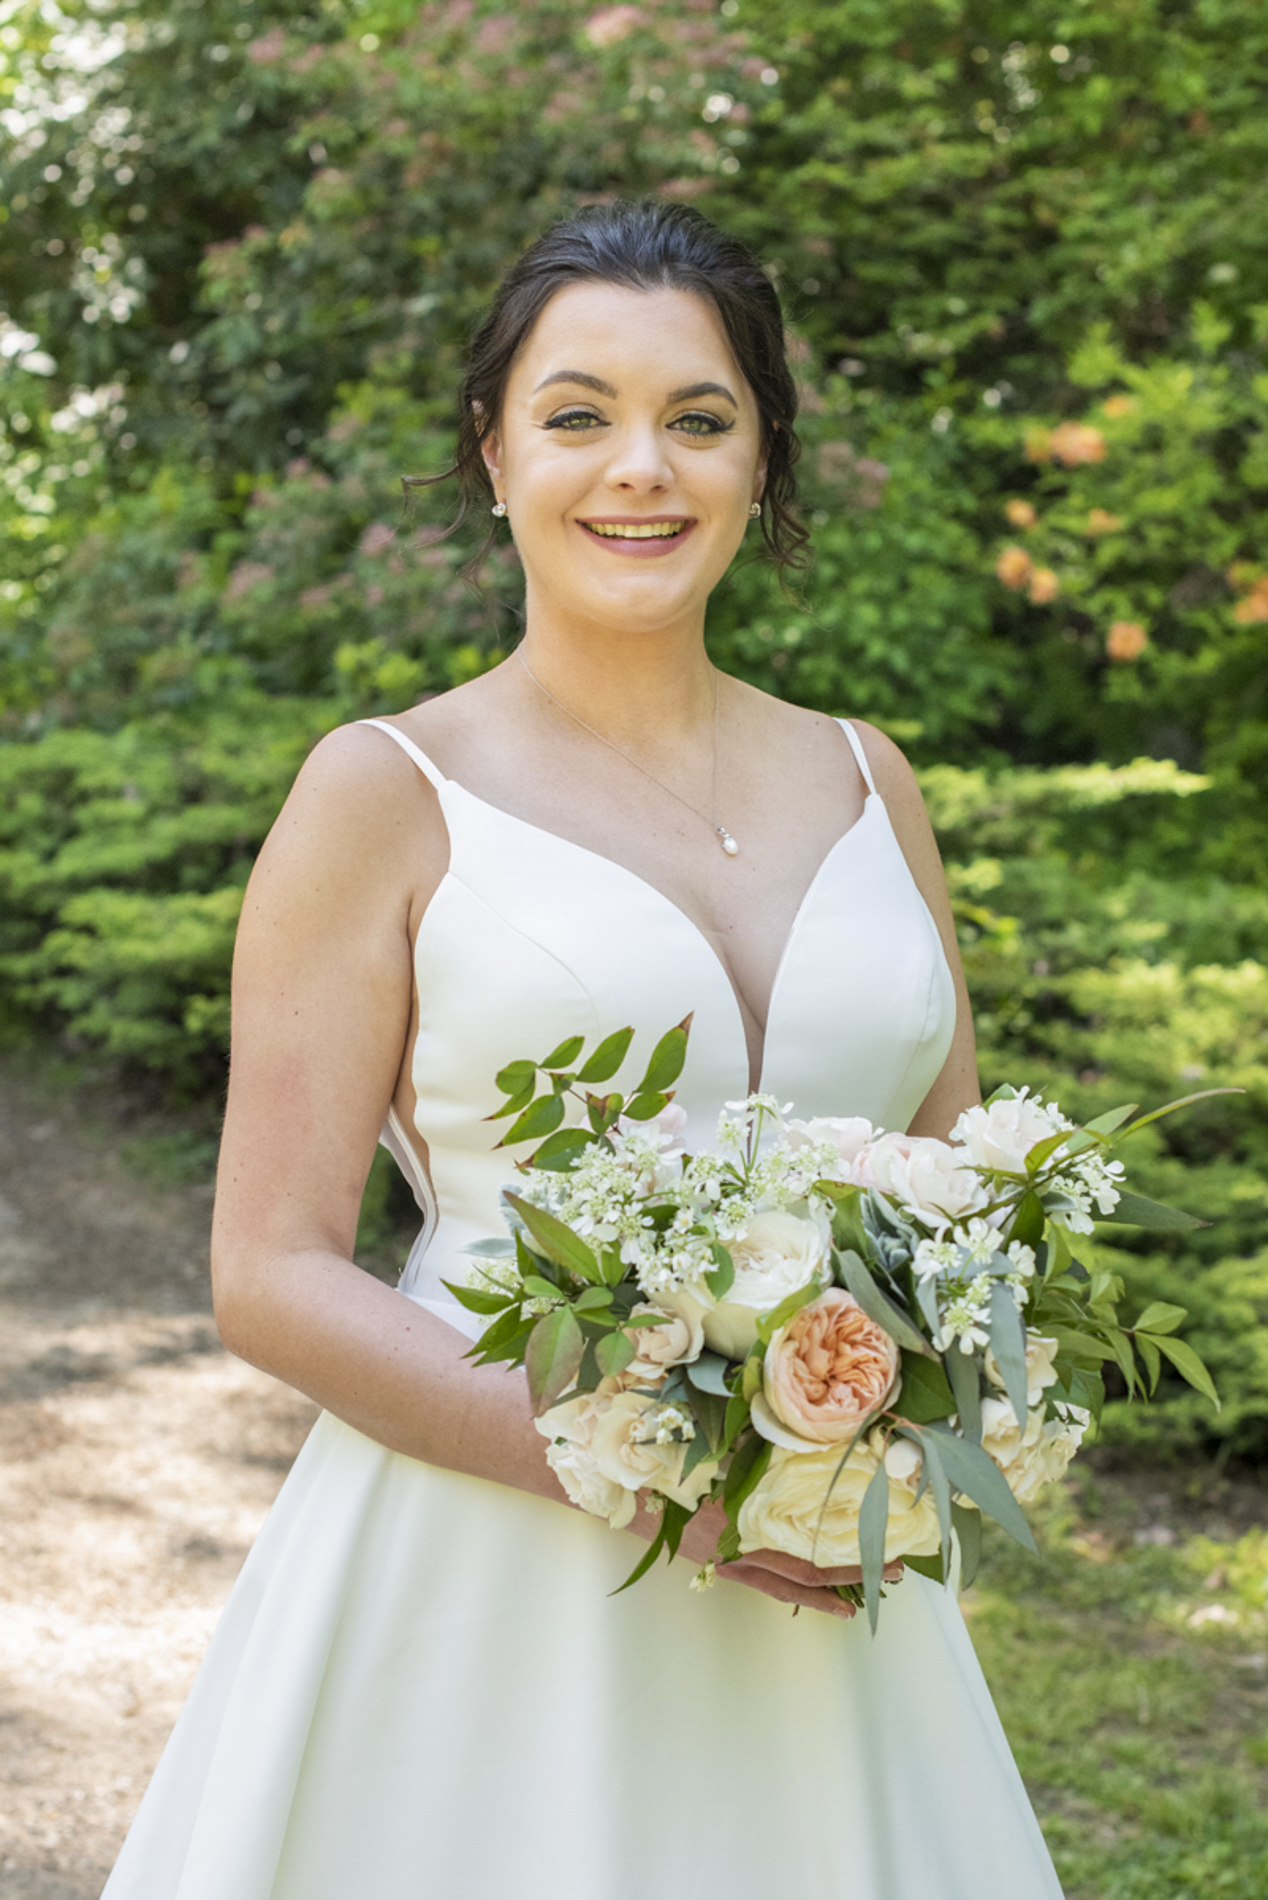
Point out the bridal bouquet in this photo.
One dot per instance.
(858, 1341)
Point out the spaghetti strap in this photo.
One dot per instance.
(420, 758)
(856, 745)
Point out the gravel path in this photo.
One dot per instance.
(137, 1462)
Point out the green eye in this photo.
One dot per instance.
(574, 421)
(700, 422)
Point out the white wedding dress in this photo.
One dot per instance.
(421, 1687)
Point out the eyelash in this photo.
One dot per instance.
(716, 426)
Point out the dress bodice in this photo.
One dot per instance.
(531, 938)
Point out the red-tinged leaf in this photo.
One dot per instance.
(553, 1358)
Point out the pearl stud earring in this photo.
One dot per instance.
(499, 509)
(754, 510)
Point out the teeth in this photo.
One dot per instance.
(643, 531)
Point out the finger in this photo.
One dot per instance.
(785, 1589)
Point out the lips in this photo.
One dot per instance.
(645, 537)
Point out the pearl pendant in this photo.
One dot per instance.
(728, 843)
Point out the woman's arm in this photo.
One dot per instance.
(957, 1085)
(322, 992)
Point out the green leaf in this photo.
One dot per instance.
(1037, 1155)
(614, 1352)
(643, 1106)
(710, 1411)
(747, 1467)
(556, 1241)
(667, 1059)
(879, 1307)
(539, 1118)
(698, 1449)
(707, 1373)
(930, 1567)
(505, 1341)
(721, 1276)
(1112, 1118)
(1085, 1345)
(737, 1417)
(1159, 1317)
(1169, 1108)
(514, 1102)
(1189, 1366)
(607, 1058)
(553, 1359)
(1133, 1210)
(1008, 1343)
(873, 1524)
(1152, 1358)
(646, 1561)
(769, 1323)
(539, 1289)
(924, 1393)
(1028, 1221)
(592, 1299)
(675, 1520)
(968, 1530)
(478, 1299)
(567, 1052)
(966, 1382)
(513, 1077)
(561, 1149)
(499, 1247)
(939, 1485)
(980, 1478)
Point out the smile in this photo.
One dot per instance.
(636, 531)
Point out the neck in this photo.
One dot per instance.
(627, 684)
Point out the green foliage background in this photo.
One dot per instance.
(1024, 251)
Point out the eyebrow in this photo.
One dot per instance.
(605, 389)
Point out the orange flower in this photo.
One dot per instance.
(1020, 514)
(1118, 405)
(1076, 442)
(828, 1369)
(1126, 640)
(1014, 567)
(1254, 608)
(1044, 586)
(1101, 521)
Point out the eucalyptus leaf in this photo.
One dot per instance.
(708, 1373)
(873, 1524)
(1181, 1101)
(968, 1533)
(879, 1307)
(966, 1382)
(1008, 1343)
(500, 1247)
(980, 1478)
(646, 1561)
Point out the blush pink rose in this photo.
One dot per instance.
(826, 1371)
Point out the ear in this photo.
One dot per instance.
(491, 451)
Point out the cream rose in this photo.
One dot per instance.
(826, 1371)
(673, 1344)
(634, 1447)
(1036, 1457)
(777, 1254)
(1002, 1135)
(847, 1134)
(922, 1173)
(570, 1454)
(1040, 1370)
(785, 1510)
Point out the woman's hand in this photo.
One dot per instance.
(787, 1579)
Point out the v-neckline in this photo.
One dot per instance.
(873, 798)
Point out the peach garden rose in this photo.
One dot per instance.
(825, 1372)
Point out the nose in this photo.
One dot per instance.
(639, 462)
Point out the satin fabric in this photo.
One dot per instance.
(421, 1687)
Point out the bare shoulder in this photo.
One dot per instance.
(359, 813)
(895, 780)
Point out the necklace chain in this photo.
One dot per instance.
(724, 837)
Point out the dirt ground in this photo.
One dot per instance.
(137, 1462)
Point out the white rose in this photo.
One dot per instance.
(776, 1255)
(626, 1450)
(786, 1511)
(570, 1455)
(1002, 1135)
(1040, 1370)
(847, 1134)
(675, 1344)
(1035, 1458)
(922, 1173)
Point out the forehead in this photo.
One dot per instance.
(629, 338)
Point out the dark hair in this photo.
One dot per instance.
(645, 246)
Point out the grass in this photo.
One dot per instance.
(1129, 1662)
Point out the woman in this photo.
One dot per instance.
(422, 1686)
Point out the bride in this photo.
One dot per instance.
(422, 1688)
